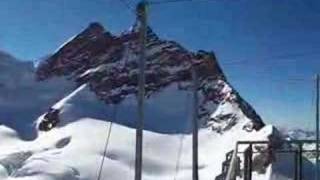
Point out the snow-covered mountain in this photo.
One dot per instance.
(101, 112)
(109, 65)
(74, 150)
(300, 134)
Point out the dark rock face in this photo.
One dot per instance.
(109, 64)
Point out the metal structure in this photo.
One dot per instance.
(195, 173)
(142, 19)
(232, 170)
(317, 127)
(141, 12)
(231, 165)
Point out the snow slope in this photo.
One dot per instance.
(74, 150)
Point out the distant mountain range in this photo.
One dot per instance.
(300, 134)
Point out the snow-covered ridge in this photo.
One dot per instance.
(66, 153)
(109, 65)
(300, 134)
(74, 149)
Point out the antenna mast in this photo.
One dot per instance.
(317, 128)
(142, 19)
(195, 173)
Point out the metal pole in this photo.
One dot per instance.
(142, 19)
(317, 130)
(296, 165)
(250, 162)
(245, 165)
(299, 174)
(195, 173)
(234, 165)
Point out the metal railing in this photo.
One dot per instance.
(231, 172)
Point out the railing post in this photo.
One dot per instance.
(299, 169)
(231, 174)
(245, 165)
(248, 163)
(296, 165)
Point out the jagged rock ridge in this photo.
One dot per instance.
(109, 64)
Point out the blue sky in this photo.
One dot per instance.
(269, 49)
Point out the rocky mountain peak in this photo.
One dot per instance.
(109, 65)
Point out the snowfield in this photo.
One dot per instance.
(75, 150)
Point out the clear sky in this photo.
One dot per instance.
(269, 49)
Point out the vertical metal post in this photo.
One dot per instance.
(142, 19)
(195, 173)
(234, 167)
(250, 162)
(317, 129)
(299, 173)
(245, 165)
(296, 164)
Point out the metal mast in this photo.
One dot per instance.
(142, 20)
(317, 128)
(195, 174)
